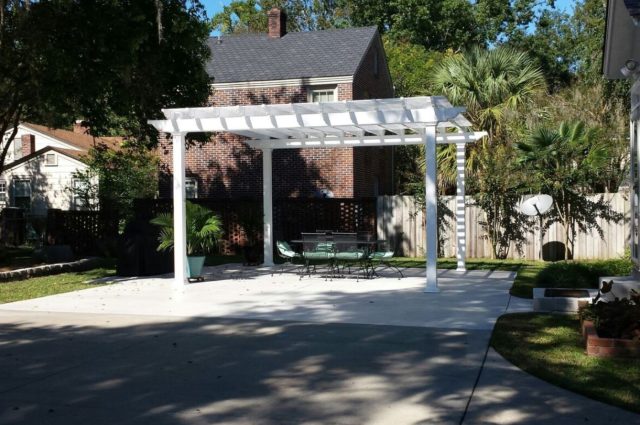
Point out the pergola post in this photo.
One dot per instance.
(461, 231)
(179, 212)
(431, 199)
(267, 202)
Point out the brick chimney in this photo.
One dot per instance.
(277, 23)
(28, 142)
(81, 127)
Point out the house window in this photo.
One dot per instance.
(191, 188)
(50, 159)
(22, 194)
(322, 94)
(3, 191)
(80, 195)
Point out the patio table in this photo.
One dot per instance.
(367, 243)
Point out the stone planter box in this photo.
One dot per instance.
(561, 300)
(608, 347)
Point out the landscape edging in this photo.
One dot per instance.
(50, 269)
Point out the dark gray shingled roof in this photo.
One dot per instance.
(256, 57)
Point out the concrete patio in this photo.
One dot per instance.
(248, 348)
(469, 300)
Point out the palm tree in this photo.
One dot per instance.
(565, 162)
(490, 84)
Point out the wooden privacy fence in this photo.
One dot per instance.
(86, 232)
(399, 216)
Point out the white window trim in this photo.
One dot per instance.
(313, 89)
(55, 160)
(3, 191)
(21, 179)
(75, 197)
(195, 185)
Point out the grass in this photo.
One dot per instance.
(551, 348)
(567, 274)
(531, 274)
(51, 285)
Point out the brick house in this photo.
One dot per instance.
(281, 67)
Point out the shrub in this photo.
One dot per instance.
(582, 274)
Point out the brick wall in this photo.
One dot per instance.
(373, 166)
(227, 167)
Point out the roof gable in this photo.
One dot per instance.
(69, 153)
(313, 54)
(82, 142)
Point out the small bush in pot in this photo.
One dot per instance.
(619, 318)
(204, 229)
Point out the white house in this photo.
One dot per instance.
(41, 164)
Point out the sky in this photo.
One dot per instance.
(215, 6)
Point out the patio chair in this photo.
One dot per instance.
(348, 253)
(285, 252)
(382, 255)
(317, 250)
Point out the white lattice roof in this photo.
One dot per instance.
(348, 123)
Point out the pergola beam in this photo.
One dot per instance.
(388, 140)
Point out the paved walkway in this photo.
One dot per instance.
(246, 348)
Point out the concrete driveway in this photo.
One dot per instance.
(246, 348)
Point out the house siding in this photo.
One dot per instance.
(50, 185)
(40, 143)
(228, 168)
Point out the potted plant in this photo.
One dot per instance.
(204, 229)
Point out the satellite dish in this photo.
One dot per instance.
(324, 193)
(536, 205)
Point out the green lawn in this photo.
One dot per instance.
(50, 285)
(551, 348)
(531, 274)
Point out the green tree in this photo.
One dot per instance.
(497, 191)
(114, 178)
(62, 59)
(491, 84)
(552, 46)
(564, 163)
(250, 16)
(446, 24)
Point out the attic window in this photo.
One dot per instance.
(323, 94)
(50, 160)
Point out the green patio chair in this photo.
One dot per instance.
(289, 256)
(348, 253)
(381, 256)
(317, 250)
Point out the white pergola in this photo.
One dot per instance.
(358, 123)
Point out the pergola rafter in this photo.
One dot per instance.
(358, 123)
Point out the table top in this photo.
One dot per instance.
(358, 241)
